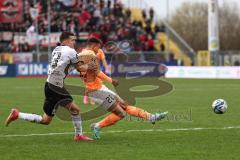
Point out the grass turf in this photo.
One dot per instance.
(188, 105)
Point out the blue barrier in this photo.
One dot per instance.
(138, 69)
(32, 69)
(119, 70)
(8, 70)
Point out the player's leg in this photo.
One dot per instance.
(85, 99)
(60, 97)
(107, 97)
(51, 99)
(77, 122)
(139, 112)
(117, 113)
(108, 100)
(15, 114)
(131, 110)
(46, 119)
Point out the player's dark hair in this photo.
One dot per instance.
(65, 35)
(93, 40)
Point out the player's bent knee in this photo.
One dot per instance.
(122, 114)
(123, 105)
(74, 111)
(73, 108)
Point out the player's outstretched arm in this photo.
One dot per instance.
(104, 77)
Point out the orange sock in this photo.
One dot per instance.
(138, 112)
(109, 120)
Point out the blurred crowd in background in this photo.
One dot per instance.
(108, 20)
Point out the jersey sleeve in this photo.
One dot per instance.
(73, 56)
(101, 55)
(104, 77)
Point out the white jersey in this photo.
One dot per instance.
(63, 58)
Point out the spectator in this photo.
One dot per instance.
(144, 15)
(150, 42)
(162, 47)
(151, 14)
(128, 13)
(148, 27)
(101, 18)
(172, 61)
(117, 10)
(25, 47)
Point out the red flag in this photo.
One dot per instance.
(11, 11)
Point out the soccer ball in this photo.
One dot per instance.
(219, 106)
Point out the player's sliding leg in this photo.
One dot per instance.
(138, 112)
(119, 108)
(111, 119)
(117, 113)
(133, 111)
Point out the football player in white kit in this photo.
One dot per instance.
(64, 59)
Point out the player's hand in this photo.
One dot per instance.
(115, 82)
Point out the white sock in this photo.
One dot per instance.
(152, 118)
(30, 117)
(77, 123)
(97, 125)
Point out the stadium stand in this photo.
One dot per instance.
(108, 20)
(105, 19)
(160, 36)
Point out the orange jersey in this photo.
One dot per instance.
(100, 55)
(92, 79)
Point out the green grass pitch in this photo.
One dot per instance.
(191, 131)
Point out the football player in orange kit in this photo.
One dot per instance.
(103, 96)
(101, 58)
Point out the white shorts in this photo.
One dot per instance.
(104, 97)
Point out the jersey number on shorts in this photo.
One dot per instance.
(110, 98)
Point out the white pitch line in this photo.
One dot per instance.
(123, 131)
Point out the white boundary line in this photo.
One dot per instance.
(123, 131)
